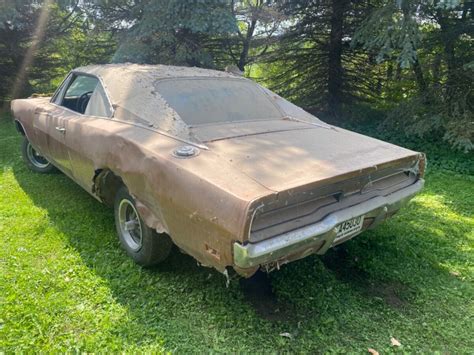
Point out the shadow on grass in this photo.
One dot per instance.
(179, 294)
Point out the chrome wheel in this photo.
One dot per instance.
(35, 158)
(130, 225)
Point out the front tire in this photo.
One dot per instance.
(34, 160)
(143, 244)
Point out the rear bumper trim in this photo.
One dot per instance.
(319, 237)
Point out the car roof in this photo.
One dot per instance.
(133, 96)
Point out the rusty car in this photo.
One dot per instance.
(228, 171)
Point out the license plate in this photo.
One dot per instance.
(349, 227)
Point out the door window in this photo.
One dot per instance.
(84, 94)
(79, 92)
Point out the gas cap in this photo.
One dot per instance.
(185, 151)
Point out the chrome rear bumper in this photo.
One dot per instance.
(319, 237)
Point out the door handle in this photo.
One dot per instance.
(61, 129)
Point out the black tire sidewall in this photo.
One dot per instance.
(155, 247)
(31, 166)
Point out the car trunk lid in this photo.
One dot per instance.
(290, 158)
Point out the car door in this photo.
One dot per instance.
(40, 125)
(69, 105)
(42, 121)
(94, 114)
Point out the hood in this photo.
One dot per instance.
(283, 160)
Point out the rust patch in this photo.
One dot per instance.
(213, 252)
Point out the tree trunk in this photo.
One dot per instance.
(335, 73)
(419, 77)
(449, 39)
(450, 58)
(244, 54)
(436, 69)
(398, 73)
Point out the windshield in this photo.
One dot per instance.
(209, 100)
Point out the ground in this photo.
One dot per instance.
(66, 284)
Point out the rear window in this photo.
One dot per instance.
(210, 100)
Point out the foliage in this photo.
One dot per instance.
(258, 25)
(167, 31)
(40, 41)
(391, 30)
(67, 286)
(313, 63)
(412, 60)
(438, 153)
(413, 33)
(18, 22)
(451, 122)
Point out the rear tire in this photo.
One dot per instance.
(143, 244)
(34, 160)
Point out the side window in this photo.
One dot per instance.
(79, 92)
(98, 104)
(60, 91)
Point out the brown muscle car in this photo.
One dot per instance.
(230, 172)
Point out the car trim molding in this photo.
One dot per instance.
(114, 119)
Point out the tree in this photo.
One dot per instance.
(167, 31)
(434, 31)
(317, 67)
(258, 24)
(40, 41)
(22, 29)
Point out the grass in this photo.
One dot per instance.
(66, 284)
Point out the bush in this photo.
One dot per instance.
(439, 153)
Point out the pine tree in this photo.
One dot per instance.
(317, 67)
(415, 33)
(40, 41)
(258, 24)
(167, 31)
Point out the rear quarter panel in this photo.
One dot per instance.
(201, 202)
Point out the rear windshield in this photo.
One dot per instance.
(210, 100)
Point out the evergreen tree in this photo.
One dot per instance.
(40, 41)
(317, 67)
(433, 39)
(167, 31)
(258, 25)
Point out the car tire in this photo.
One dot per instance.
(143, 244)
(33, 160)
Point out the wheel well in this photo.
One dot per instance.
(106, 184)
(19, 127)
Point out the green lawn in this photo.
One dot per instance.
(66, 284)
